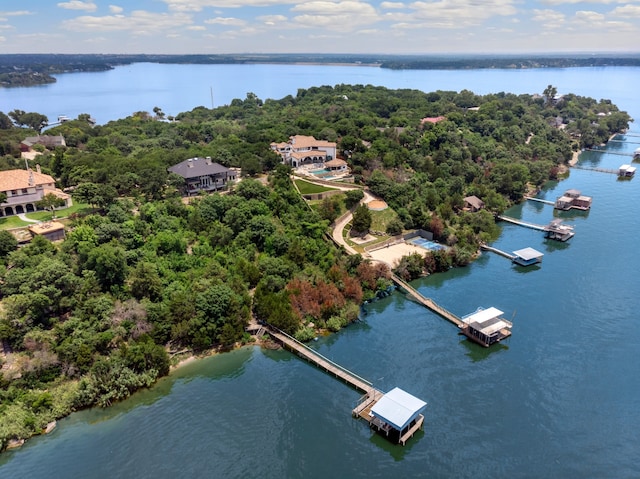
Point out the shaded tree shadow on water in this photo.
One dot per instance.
(571, 214)
(526, 269)
(478, 353)
(396, 451)
(553, 245)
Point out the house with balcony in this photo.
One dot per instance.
(303, 150)
(203, 174)
(24, 188)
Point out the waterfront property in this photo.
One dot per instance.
(473, 204)
(573, 199)
(636, 155)
(25, 188)
(202, 174)
(626, 171)
(397, 415)
(527, 256)
(486, 326)
(305, 150)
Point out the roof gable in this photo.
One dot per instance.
(195, 167)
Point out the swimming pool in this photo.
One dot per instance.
(426, 244)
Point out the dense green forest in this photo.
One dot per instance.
(89, 320)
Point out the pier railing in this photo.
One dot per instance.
(313, 356)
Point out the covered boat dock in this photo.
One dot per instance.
(397, 415)
(486, 326)
(527, 256)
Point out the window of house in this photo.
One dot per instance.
(25, 191)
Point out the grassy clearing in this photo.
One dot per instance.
(307, 188)
(380, 219)
(10, 222)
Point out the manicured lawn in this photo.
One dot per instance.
(9, 222)
(79, 208)
(15, 222)
(307, 188)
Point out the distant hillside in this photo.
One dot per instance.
(36, 69)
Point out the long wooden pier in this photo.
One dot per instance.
(539, 200)
(322, 362)
(599, 170)
(497, 251)
(371, 394)
(427, 302)
(608, 152)
(526, 224)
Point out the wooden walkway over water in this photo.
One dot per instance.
(595, 150)
(599, 170)
(497, 251)
(526, 224)
(427, 302)
(371, 394)
(539, 200)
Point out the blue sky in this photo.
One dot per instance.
(319, 26)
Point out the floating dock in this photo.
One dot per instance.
(573, 199)
(486, 326)
(527, 256)
(539, 200)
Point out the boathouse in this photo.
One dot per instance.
(626, 171)
(397, 415)
(486, 326)
(573, 199)
(636, 154)
(558, 231)
(527, 257)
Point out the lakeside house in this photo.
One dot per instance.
(473, 204)
(305, 150)
(48, 141)
(203, 174)
(24, 188)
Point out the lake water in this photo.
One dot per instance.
(560, 398)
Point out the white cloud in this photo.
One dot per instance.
(450, 14)
(271, 20)
(79, 5)
(2, 39)
(196, 28)
(199, 5)
(549, 18)
(140, 21)
(115, 9)
(627, 11)
(236, 22)
(573, 2)
(589, 16)
(16, 13)
(392, 5)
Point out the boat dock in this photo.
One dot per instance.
(427, 302)
(526, 224)
(539, 200)
(367, 402)
(595, 150)
(554, 230)
(292, 344)
(599, 170)
(497, 251)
